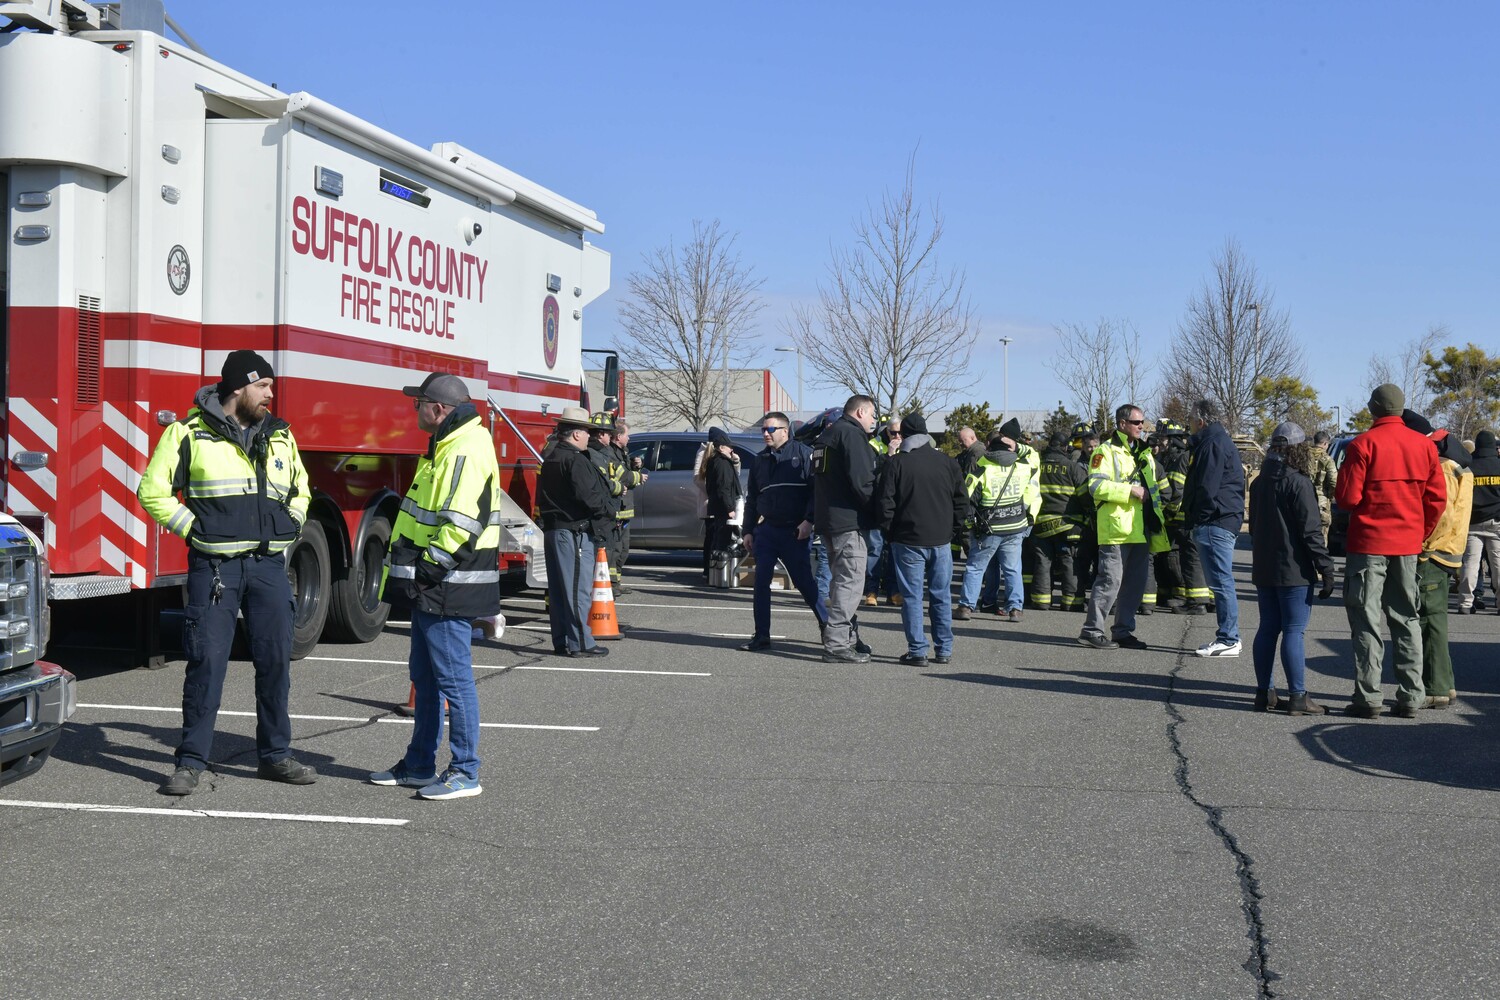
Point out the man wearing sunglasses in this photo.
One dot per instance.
(1122, 482)
(779, 522)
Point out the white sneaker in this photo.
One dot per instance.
(1220, 648)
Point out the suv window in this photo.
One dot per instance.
(642, 451)
(676, 456)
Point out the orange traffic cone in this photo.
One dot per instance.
(410, 708)
(602, 621)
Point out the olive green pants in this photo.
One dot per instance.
(1432, 606)
(1377, 587)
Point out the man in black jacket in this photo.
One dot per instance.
(1484, 521)
(779, 522)
(843, 487)
(921, 508)
(1214, 501)
(577, 514)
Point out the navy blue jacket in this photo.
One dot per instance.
(780, 487)
(1215, 489)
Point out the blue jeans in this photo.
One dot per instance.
(991, 559)
(931, 568)
(878, 575)
(822, 572)
(1216, 552)
(772, 543)
(1284, 612)
(441, 668)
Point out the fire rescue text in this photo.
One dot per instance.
(437, 275)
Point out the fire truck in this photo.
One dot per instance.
(163, 210)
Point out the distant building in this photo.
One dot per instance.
(753, 392)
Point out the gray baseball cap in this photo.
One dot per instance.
(439, 388)
(1288, 433)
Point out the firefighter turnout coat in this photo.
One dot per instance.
(243, 493)
(1114, 468)
(445, 545)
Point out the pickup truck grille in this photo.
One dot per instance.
(24, 616)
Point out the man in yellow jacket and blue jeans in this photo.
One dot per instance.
(244, 500)
(1122, 482)
(444, 565)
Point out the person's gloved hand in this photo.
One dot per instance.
(1327, 590)
(429, 572)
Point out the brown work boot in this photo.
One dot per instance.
(1301, 704)
(960, 613)
(1265, 699)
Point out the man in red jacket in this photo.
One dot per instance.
(1393, 488)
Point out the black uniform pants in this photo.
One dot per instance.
(1053, 555)
(258, 587)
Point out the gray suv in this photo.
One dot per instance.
(668, 505)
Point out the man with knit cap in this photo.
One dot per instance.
(1393, 488)
(920, 506)
(1484, 521)
(244, 497)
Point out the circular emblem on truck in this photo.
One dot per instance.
(550, 315)
(179, 271)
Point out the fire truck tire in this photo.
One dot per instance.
(356, 613)
(307, 571)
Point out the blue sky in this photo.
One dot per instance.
(1090, 159)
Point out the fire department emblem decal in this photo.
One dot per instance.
(550, 316)
(179, 271)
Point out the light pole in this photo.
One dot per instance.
(1005, 398)
(797, 351)
(1256, 307)
(1338, 420)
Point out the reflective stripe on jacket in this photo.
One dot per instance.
(1004, 492)
(445, 544)
(1114, 468)
(233, 503)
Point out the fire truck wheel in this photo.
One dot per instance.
(307, 571)
(357, 614)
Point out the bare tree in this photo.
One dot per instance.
(1102, 366)
(1231, 336)
(689, 316)
(891, 322)
(1406, 368)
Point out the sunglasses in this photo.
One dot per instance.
(1135, 422)
(771, 430)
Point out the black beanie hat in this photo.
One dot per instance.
(913, 424)
(1011, 429)
(1484, 439)
(1416, 421)
(242, 368)
(716, 436)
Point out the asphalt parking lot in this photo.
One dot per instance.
(680, 819)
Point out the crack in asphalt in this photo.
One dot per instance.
(1251, 897)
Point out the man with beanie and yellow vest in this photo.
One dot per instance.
(1004, 496)
(444, 566)
(244, 500)
(1392, 487)
(1122, 482)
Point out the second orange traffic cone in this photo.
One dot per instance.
(602, 621)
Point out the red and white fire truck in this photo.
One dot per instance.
(163, 210)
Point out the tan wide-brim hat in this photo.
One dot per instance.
(573, 416)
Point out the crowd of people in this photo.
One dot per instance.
(1121, 526)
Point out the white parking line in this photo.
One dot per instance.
(496, 666)
(343, 718)
(207, 813)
